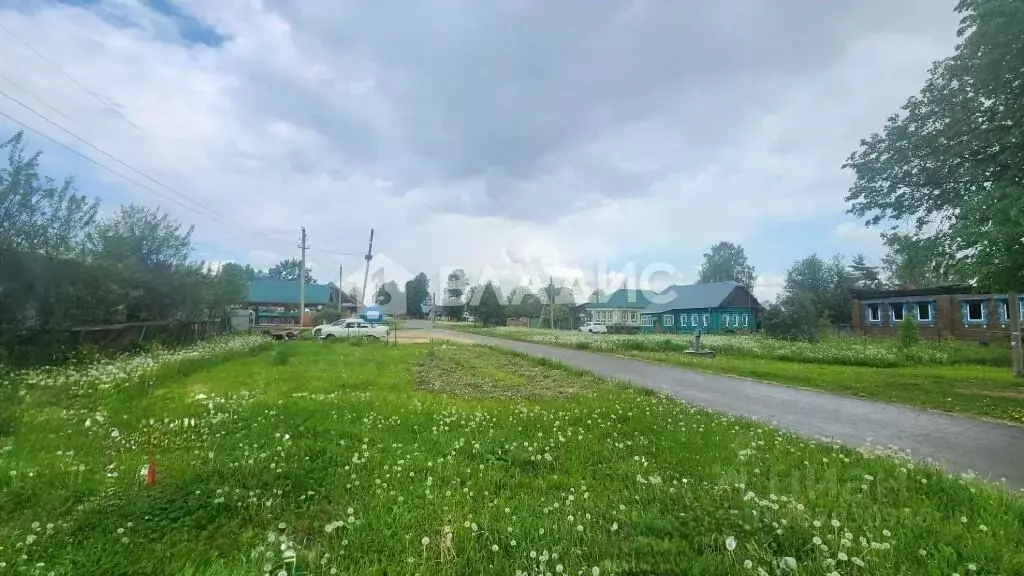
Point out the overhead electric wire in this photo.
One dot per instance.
(97, 97)
(212, 214)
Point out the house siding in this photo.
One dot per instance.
(615, 316)
(951, 316)
(717, 320)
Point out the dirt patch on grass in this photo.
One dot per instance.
(482, 372)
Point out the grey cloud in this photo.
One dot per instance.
(507, 94)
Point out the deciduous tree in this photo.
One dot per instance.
(726, 261)
(951, 162)
(288, 269)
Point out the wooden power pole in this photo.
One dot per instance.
(1016, 345)
(551, 283)
(302, 279)
(366, 273)
(341, 278)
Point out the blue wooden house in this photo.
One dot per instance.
(710, 308)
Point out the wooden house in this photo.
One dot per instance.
(941, 312)
(620, 308)
(710, 308)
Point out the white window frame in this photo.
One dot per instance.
(746, 320)
(925, 306)
(667, 319)
(892, 312)
(981, 308)
(874, 310)
(682, 320)
(647, 320)
(695, 320)
(707, 320)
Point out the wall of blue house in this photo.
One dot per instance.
(707, 320)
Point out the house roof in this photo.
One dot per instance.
(623, 298)
(270, 291)
(870, 294)
(696, 296)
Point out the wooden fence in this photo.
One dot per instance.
(56, 345)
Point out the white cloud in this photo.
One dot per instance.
(464, 147)
(860, 238)
(768, 288)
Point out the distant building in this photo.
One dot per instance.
(277, 301)
(620, 308)
(953, 311)
(714, 307)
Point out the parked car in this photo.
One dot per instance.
(352, 328)
(594, 328)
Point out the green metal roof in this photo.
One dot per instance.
(268, 291)
(624, 298)
(696, 296)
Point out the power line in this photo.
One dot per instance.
(26, 91)
(196, 207)
(105, 153)
(153, 190)
(105, 103)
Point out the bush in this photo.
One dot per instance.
(327, 316)
(910, 336)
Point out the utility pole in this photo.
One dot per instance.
(302, 279)
(551, 283)
(1016, 345)
(341, 278)
(366, 273)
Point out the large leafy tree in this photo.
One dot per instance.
(417, 293)
(950, 164)
(37, 213)
(724, 262)
(141, 236)
(455, 288)
(288, 269)
(816, 291)
(489, 310)
(922, 262)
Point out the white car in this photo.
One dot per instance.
(352, 328)
(594, 328)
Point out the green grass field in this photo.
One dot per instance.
(311, 458)
(952, 377)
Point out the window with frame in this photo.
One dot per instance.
(975, 310)
(647, 320)
(896, 312)
(694, 321)
(874, 313)
(924, 311)
(725, 320)
(666, 320)
(735, 320)
(682, 319)
(1004, 311)
(746, 321)
(707, 320)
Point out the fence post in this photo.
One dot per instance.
(1016, 346)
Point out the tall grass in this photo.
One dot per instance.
(841, 351)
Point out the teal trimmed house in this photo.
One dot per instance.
(716, 307)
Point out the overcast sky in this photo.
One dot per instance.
(510, 137)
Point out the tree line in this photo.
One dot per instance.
(62, 265)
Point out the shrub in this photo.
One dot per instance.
(909, 334)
